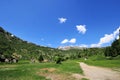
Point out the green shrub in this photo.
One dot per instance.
(58, 60)
(40, 59)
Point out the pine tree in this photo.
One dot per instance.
(40, 58)
(114, 50)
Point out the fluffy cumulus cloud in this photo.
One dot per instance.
(73, 40)
(117, 37)
(107, 38)
(62, 20)
(81, 28)
(65, 41)
(116, 32)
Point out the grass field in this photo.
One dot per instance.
(38, 71)
(105, 63)
(99, 60)
(24, 70)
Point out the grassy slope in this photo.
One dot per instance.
(26, 71)
(100, 60)
(105, 63)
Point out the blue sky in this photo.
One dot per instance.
(54, 23)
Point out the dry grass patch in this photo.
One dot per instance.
(7, 67)
(49, 69)
(54, 74)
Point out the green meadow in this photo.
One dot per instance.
(103, 61)
(24, 70)
(36, 71)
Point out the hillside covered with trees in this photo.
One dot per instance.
(14, 47)
(10, 45)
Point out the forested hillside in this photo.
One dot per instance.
(10, 44)
(14, 47)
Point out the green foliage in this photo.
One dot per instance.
(113, 50)
(10, 44)
(58, 60)
(108, 51)
(40, 59)
(116, 48)
(117, 57)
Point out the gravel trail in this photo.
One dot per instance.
(98, 73)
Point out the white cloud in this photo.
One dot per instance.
(65, 41)
(116, 32)
(117, 37)
(81, 28)
(107, 38)
(73, 40)
(62, 20)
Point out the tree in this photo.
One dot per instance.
(40, 59)
(114, 50)
(116, 47)
(58, 59)
(108, 51)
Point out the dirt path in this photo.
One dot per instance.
(98, 73)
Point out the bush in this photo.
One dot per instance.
(40, 59)
(58, 60)
(117, 57)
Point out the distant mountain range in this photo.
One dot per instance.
(70, 47)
